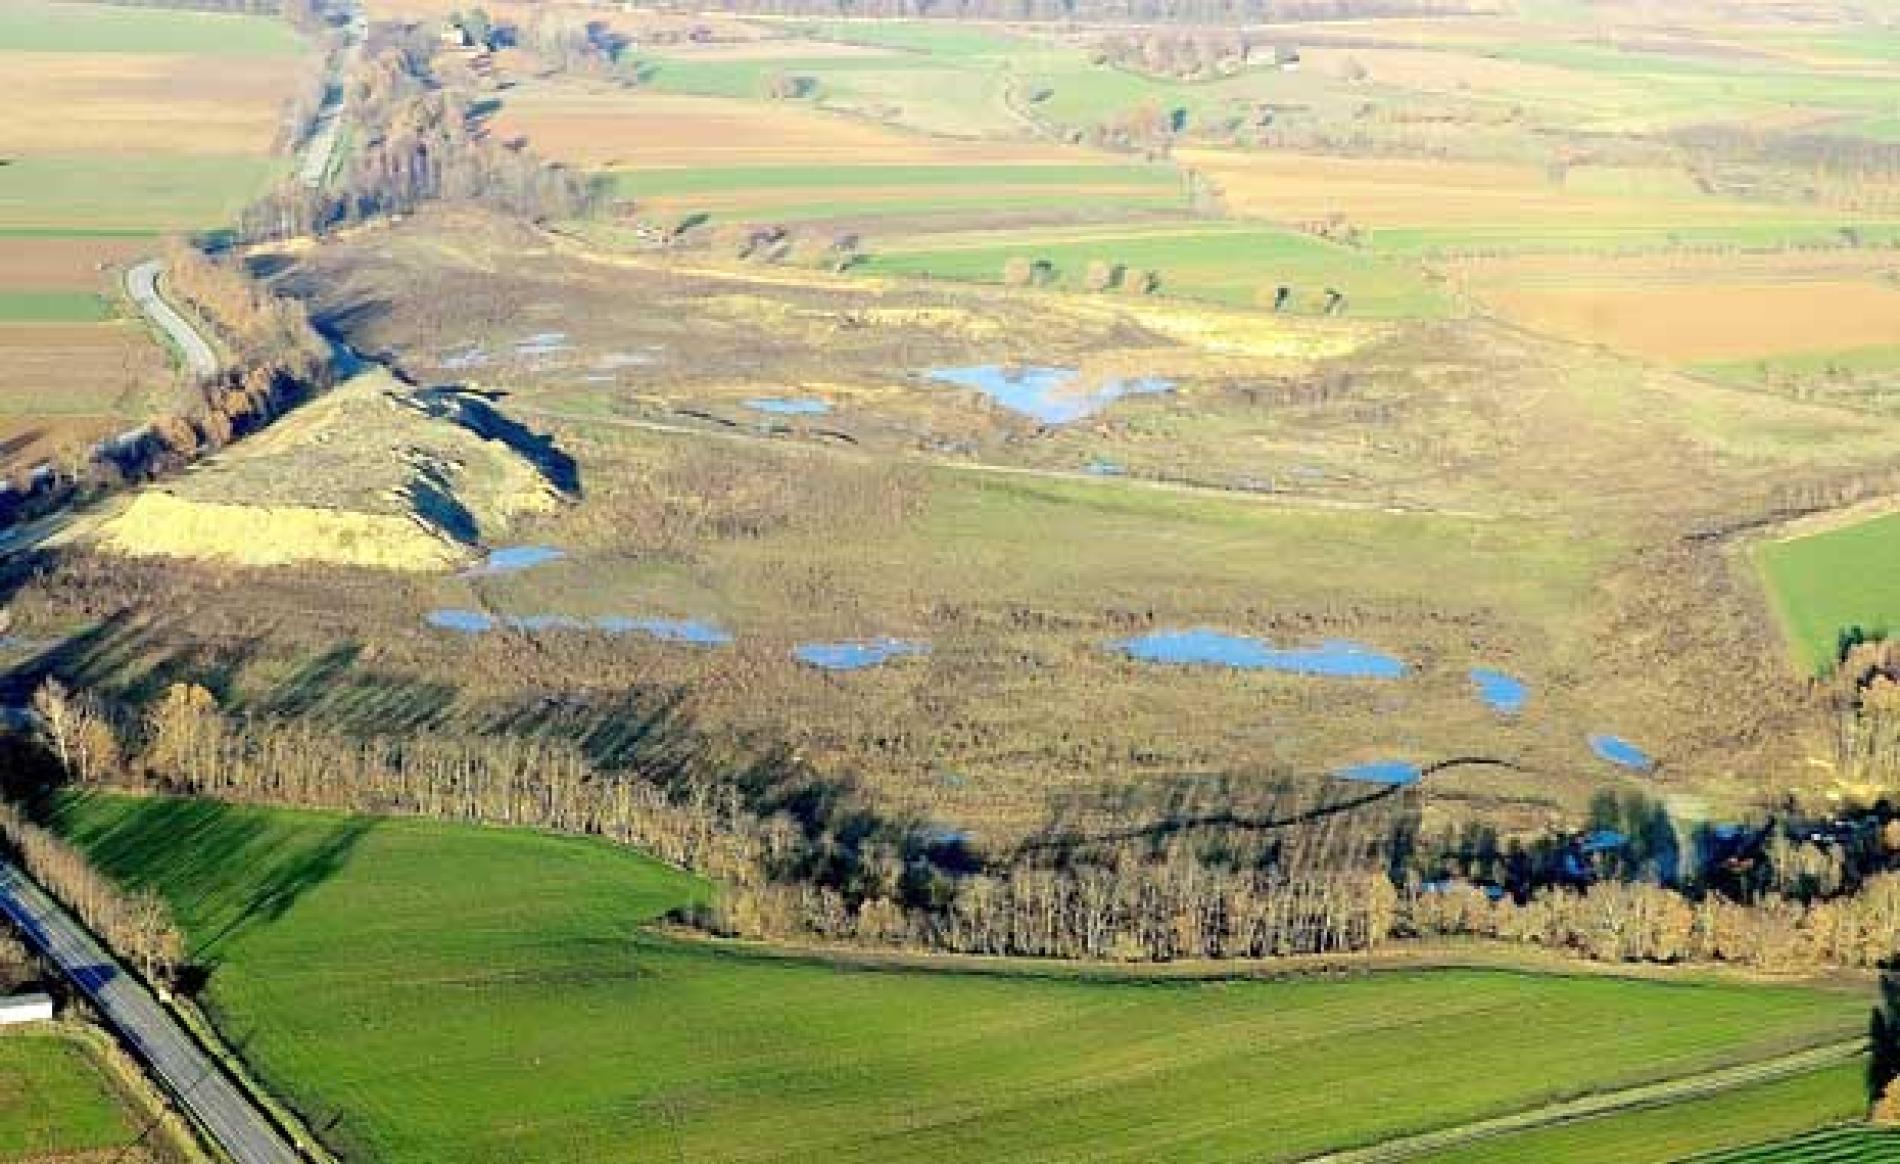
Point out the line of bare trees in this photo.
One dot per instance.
(137, 925)
(1320, 879)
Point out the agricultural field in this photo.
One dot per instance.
(126, 123)
(58, 1102)
(1685, 1130)
(325, 945)
(1830, 582)
(1848, 1145)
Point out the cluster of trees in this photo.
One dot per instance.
(421, 141)
(1188, 56)
(138, 926)
(1616, 921)
(1099, 275)
(1134, 911)
(1115, 11)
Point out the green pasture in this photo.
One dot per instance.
(53, 307)
(56, 1100)
(1220, 263)
(128, 193)
(1843, 1145)
(40, 26)
(1825, 583)
(1682, 225)
(427, 992)
(1662, 1135)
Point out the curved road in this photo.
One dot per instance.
(153, 1035)
(141, 283)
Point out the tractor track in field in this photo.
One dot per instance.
(1646, 1095)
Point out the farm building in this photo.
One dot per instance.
(25, 1008)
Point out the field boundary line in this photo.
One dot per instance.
(1646, 1095)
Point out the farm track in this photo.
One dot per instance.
(1064, 476)
(1647, 1095)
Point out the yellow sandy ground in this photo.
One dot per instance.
(161, 524)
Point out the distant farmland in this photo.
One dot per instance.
(556, 1030)
(125, 123)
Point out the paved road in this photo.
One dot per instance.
(319, 152)
(177, 1062)
(1647, 1095)
(141, 282)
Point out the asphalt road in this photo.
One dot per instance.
(141, 282)
(169, 1053)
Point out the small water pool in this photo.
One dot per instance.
(1393, 772)
(1048, 394)
(855, 656)
(697, 632)
(1205, 647)
(789, 405)
(1503, 693)
(1621, 752)
(512, 558)
(1101, 468)
(472, 622)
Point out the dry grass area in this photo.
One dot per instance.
(1712, 321)
(1379, 193)
(76, 263)
(601, 126)
(67, 102)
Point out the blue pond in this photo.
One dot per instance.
(1620, 751)
(1203, 646)
(513, 558)
(1501, 692)
(472, 622)
(856, 656)
(672, 630)
(789, 405)
(1050, 395)
(1395, 772)
(1100, 468)
(698, 632)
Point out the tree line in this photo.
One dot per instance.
(137, 925)
(1292, 874)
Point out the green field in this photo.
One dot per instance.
(1826, 583)
(1848, 1145)
(56, 1099)
(1218, 263)
(60, 194)
(38, 26)
(432, 992)
(52, 307)
(1747, 1115)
